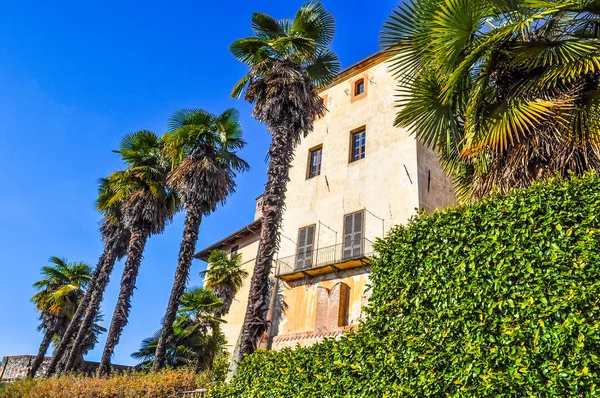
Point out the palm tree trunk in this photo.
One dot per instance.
(90, 315)
(193, 219)
(60, 366)
(73, 325)
(227, 297)
(281, 154)
(135, 250)
(42, 352)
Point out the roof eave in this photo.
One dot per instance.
(252, 228)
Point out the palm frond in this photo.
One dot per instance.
(239, 87)
(509, 122)
(267, 27)
(324, 68)
(250, 50)
(314, 22)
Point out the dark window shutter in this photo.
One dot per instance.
(348, 232)
(358, 232)
(304, 253)
(353, 236)
(310, 238)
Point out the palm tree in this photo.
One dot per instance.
(146, 205)
(288, 60)
(115, 239)
(197, 337)
(60, 289)
(225, 277)
(203, 149)
(507, 92)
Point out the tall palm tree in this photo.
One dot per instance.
(225, 277)
(203, 150)
(146, 205)
(60, 289)
(115, 239)
(507, 91)
(197, 337)
(288, 60)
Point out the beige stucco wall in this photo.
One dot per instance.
(435, 187)
(301, 300)
(391, 182)
(396, 177)
(379, 182)
(235, 318)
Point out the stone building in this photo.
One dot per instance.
(352, 179)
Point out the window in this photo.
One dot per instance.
(314, 166)
(324, 102)
(234, 249)
(357, 145)
(304, 254)
(359, 87)
(353, 236)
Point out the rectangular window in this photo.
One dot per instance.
(304, 253)
(234, 249)
(353, 236)
(314, 168)
(359, 87)
(358, 145)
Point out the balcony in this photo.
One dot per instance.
(325, 260)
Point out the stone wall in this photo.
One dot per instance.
(16, 367)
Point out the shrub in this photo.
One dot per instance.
(496, 299)
(166, 383)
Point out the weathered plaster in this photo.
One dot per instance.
(396, 177)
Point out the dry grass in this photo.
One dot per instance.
(166, 383)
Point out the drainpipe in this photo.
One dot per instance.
(271, 312)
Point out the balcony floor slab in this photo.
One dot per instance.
(325, 269)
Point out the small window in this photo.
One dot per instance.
(314, 168)
(234, 249)
(358, 145)
(359, 87)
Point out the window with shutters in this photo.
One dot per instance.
(353, 236)
(304, 254)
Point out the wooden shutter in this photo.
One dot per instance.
(353, 236)
(304, 255)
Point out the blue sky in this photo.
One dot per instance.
(74, 77)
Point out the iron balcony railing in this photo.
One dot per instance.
(324, 256)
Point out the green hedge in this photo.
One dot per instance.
(497, 299)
